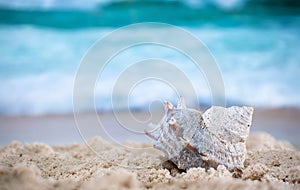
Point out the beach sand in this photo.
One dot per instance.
(98, 164)
(271, 164)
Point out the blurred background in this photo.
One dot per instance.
(255, 43)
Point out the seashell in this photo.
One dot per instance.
(192, 139)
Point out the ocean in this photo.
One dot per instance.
(256, 45)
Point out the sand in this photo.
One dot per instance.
(271, 164)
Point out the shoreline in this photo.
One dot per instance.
(282, 123)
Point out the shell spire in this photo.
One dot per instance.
(181, 103)
(168, 106)
(153, 132)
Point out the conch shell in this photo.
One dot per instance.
(192, 139)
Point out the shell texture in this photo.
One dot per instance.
(192, 139)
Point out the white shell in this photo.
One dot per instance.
(191, 139)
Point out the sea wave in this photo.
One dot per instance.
(81, 14)
(260, 67)
(95, 4)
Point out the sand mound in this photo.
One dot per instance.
(271, 164)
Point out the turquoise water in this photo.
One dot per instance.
(255, 43)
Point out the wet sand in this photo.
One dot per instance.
(283, 124)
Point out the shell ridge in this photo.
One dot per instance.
(232, 120)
